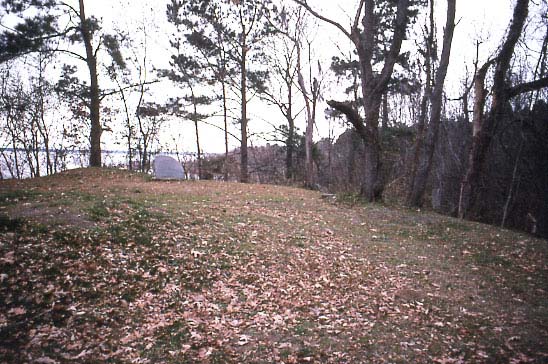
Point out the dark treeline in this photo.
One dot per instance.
(481, 155)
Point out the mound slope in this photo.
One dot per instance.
(104, 265)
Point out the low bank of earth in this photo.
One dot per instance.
(109, 266)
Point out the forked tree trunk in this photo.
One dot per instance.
(373, 88)
(289, 143)
(373, 84)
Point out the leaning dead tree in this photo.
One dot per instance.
(363, 35)
(486, 124)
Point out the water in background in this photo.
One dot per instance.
(67, 159)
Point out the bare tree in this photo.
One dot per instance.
(311, 101)
(150, 117)
(281, 92)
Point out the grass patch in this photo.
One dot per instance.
(15, 196)
(99, 211)
(485, 257)
(351, 199)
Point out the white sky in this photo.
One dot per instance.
(477, 19)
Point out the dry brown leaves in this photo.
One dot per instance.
(222, 272)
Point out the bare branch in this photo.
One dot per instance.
(140, 84)
(527, 87)
(323, 18)
(352, 115)
(400, 28)
(358, 13)
(71, 53)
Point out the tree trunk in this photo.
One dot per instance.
(309, 162)
(309, 166)
(511, 192)
(95, 100)
(42, 127)
(200, 172)
(12, 132)
(484, 127)
(424, 163)
(384, 122)
(129, 127)
(373, 87)
(288, 112)
(289, 170)
(423, 112)
(144, 160)
(244, 176)
(225, 120)
(196, 132)
(373, 184)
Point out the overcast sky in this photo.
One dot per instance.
(477, 19)
(484, 19)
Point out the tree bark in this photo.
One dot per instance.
(385, 110)
(424, 164)
(95, 100)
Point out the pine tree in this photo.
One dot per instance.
(42, 32)
(234, 34)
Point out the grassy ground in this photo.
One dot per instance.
(107, 266)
